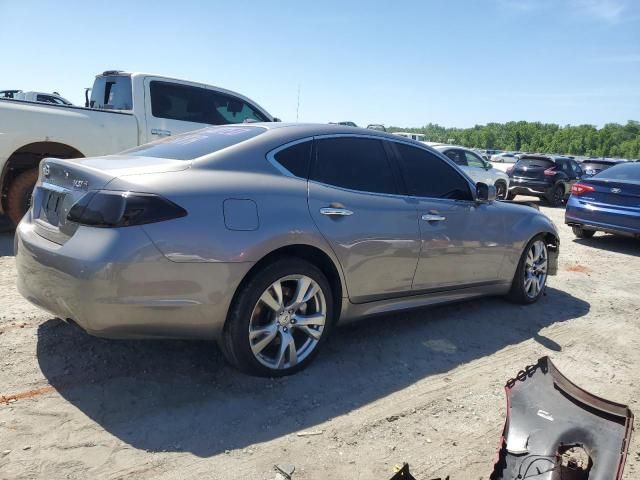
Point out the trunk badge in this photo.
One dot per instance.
(616, 190)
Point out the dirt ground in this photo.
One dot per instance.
(424, 387)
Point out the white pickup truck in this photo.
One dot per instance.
(123, 111)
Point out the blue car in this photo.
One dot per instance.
(607, 202)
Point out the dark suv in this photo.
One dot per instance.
(544, 176)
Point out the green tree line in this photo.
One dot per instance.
(612, 140)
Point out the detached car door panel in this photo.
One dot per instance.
(372, 229)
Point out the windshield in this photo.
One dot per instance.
(197, 143)
(629, 172)
(112, 92)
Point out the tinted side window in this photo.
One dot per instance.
(296, 158)
(457, 156)
(427, 175)
(354, 163)
(200, 105)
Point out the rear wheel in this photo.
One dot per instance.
(279, 319)
(556, 197)
(19, 194)
(582, 233)
(530, 279)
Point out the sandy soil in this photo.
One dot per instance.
(424, 387)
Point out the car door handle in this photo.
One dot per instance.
(335, 212)
(430, 217)
(160, 132)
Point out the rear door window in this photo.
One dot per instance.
(354, 163)
(427, 175)
(200, 105)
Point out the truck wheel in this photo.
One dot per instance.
(19, 195)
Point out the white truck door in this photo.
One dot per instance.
(173, 107)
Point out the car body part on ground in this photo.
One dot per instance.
(556, 430)
(478, 169)
(125, 110)
(262, 236)
(607, 202)
(543, 176)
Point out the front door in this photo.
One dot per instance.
(355, 201)
(463, 242)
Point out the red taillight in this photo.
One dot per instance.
(580, 188)
(550, 172)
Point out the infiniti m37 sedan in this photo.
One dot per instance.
(263, 236)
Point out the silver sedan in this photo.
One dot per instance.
(263, 236)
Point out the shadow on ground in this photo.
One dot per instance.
(181, 396)
(612, 243)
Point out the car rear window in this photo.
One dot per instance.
(188, 146)
(629, 172)
(535, 163)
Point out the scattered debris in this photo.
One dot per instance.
(310, 433)
(284, 471)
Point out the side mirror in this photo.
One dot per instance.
(485, 193)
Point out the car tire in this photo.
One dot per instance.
(19, 195)
(582, 233)
(511, 196)
(556, 198)
(264, 316)
(529, 268)
(501, 190)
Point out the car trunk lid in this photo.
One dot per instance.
(63, 182)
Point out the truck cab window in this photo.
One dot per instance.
(199, 105)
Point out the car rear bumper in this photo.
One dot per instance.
(519, 186)
(605, 218)
(115, 283)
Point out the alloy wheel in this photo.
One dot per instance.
(535, 269)
(287, 322)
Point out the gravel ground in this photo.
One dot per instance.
(424, 387)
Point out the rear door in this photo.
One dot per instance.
(357, 204)
(172, 108)
(463, 242)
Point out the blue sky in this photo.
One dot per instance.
(452, 62)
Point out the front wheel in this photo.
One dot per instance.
(530, 279)
(582, 233)
(501, 190)
(279, 319)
